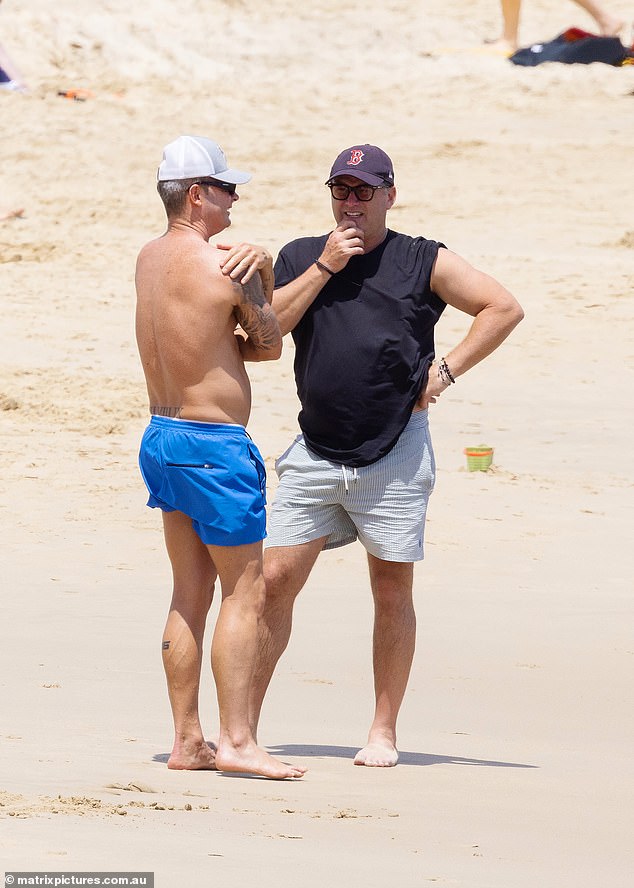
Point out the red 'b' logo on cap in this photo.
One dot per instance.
(356, 156)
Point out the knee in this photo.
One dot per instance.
(393, 600)
(278, 579)
(392, 596)
(275, 578)
(392, 583)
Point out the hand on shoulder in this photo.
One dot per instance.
(243, 260)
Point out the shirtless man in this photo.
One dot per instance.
(199, 464)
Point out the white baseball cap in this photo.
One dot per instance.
(191, 156)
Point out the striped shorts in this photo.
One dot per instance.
(383, 505)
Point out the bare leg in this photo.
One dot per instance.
(394, 641)
(194, 575)
(233, 657)
(286, 569)
(510, 26)
(609, 25)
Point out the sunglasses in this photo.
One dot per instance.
(229, 187)
(361, 192)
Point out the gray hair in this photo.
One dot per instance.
(173, 193)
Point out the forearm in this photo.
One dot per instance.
(259, 337)
(484, 336)
(487, 332)
(494, 310)
(293, 300)
(253, 351)
(268, 280)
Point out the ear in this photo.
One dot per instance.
(193, 193)
(391, 197)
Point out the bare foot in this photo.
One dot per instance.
(380, 754)
(193, 756)
(501, 45)
(250, 759)
(11, 214)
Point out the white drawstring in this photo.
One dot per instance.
(345, 477)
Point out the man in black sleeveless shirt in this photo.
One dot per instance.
(361, 304)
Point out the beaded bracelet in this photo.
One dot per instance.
(324, 267)
(444, 373)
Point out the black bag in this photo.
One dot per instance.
(574, 46)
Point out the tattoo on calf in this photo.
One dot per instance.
(166, 645)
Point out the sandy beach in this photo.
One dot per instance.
(517, 731)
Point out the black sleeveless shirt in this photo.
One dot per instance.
(364, 346)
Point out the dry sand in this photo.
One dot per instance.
(517, 731)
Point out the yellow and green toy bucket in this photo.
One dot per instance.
(479, 458)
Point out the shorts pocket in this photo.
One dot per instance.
(258, 465)
(427, 472)
(281, 461)
(197, 465)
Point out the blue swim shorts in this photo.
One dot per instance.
(212, 472)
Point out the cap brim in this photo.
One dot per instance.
(369, 178)
(233, 177)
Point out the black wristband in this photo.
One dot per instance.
(324, 267)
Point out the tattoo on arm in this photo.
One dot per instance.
(256, 317)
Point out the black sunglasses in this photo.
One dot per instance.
(229, 187)
(361, 192)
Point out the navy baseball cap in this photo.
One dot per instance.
(366, 162)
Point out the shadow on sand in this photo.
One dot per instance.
(419, 759)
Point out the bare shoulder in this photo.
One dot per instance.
(148, 250)
(243, 295)
(448, 265)
(224, 286)
(196, 264)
